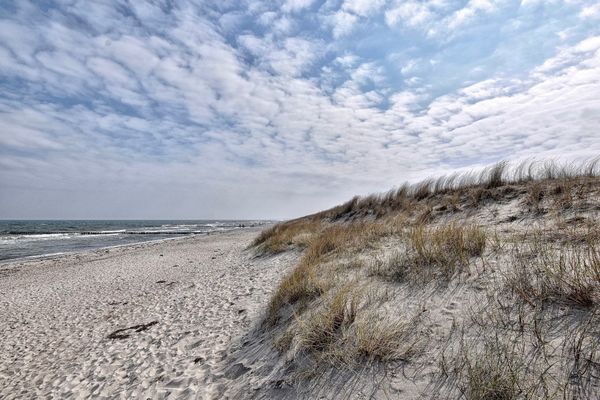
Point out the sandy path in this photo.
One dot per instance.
(183, 300)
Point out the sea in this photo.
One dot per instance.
(28, 238)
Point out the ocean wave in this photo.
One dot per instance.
(37, 237)
(45, 236)
(19, 239)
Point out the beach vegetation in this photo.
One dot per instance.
(437, 253)
(568, 274)
(496, 272)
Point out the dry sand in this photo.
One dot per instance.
(153, 320)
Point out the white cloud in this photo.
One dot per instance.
(347, 60)
(111, 71)
(343, 23)
(590, 12)
(267, 18)
(363, 7)
(410, 13)
(437, 18)
(290, 57)
(350, 13)
(470, 11)
(368, 72)
(20, 40)
(296, 5)
(409, 67)
(181, 109)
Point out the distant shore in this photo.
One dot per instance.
(22, 239)
(147, 320)
(42, 257)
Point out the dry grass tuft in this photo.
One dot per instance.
(563, 195)
(327, 326)
(345, 331)
(569, 274)
(433, 253)
(490, 363)
(382, 340)
(495, 175)
(422, 190)
(535, 195)
(496, 373)
(304, 283)
(300, 285)
(285, 235)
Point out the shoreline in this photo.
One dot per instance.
(152, 319)
(75, 252)
(183, 236)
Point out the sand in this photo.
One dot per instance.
(154, 320)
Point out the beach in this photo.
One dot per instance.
(151, 320)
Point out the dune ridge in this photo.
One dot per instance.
(482, 285)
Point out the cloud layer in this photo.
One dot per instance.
(120, 109)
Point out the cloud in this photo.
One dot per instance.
(363, 8)
(217, 110)
(590, 12)
(289, 57)
(410, 13)
(296, 5)
(470, 11)
(343, 23)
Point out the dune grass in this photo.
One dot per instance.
(432, 232)
(477, 186)
(305, 281)
(286, 235)
(493, 368)
(321, 329)
(437, 253)
(379, 339)
(345, 331)
(567, 274)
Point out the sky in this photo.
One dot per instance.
(273, 109)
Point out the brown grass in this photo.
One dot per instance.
(502, 353)
(345, 331)
(383, 340)
(433, 253)
(286, 235)
(328, 325)
(322, 312)
(495, 372)
(304, 282)
(569, 274)
(535, 195)
(477, 185)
